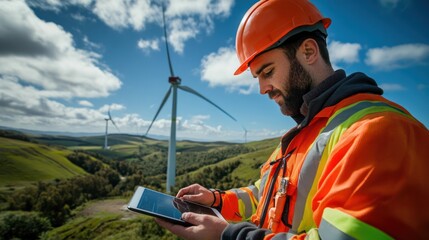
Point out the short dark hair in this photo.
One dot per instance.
(292, 44)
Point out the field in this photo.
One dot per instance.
(28, 160)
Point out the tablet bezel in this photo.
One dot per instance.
(135, 200)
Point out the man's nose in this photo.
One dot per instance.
(264, 87)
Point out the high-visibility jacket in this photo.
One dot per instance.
(358, 170)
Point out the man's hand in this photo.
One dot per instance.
(205, 226)
(196, 193)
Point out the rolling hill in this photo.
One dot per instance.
(26, 159)
(24, 162)
(31, 158)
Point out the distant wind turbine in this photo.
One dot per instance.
(245, 135)
(106, 146)
(175, 84)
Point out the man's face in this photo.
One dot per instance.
(284, 81)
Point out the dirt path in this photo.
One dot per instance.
(117, 206)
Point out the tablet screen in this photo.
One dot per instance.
(162, 205)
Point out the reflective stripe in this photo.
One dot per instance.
(283, 236)
(262, 185)
(252, 191)
(339, 225)
(274, 156)
(255, 191)
(313, 234)
(246, 209)
(317, 156)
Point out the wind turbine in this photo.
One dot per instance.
(107, 126)
(175, 82)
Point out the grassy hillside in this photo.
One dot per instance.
(23, 162)
(108, 219)
(26, 159)
(249, 170)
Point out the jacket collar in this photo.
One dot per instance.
(332, 90)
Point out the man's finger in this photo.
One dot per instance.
(193, 218)
(167, 224)
(187, 190)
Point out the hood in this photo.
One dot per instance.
(334, 89)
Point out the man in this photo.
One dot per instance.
(355, 166)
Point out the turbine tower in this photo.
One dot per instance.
(175, 82)
(106, 146)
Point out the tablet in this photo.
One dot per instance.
(165, 206)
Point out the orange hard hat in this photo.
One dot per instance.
(268, 23)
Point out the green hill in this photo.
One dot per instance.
(27, 159)
(32, 158)
(24, 162)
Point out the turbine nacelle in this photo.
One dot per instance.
(174, 80)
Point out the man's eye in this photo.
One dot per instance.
(268, 72)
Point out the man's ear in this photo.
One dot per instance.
(309, 51)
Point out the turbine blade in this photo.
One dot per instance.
(110, 116)
(190, 90)
(159, 109)
(114, 124)
(166, 42)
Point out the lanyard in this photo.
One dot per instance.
(283, 164)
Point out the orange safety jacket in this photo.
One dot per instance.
(358, 170)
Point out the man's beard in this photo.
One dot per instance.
(293, 90)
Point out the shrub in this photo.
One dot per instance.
(23, 225)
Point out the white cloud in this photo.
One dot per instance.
(56, 5)
(189, 7)
(111, 107)
(197, 123)
(199, 7)
(343, 52)
(148, 45)
(388, 58)
(185, 19)
(25, 104)
(125, 13)
(218, 70)
(195, 127)
(90, 44)
(79, 17)
(40, 67)
(391, 87)
(85, 103)
(181, 30)
(42, 54)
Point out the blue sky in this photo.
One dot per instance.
(63, 64)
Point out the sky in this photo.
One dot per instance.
(65, 63)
